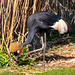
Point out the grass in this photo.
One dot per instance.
(58, 72)
(10, 73)
(69, 71)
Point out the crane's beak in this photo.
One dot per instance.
(17, 57)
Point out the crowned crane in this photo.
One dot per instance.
(42, 21)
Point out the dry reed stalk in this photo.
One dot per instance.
(19, 36)
(25, 17)
(18, 33)
(9, 18)
(24, 11)
(34, 6)
(2, 35)
(4, 30)
(2, 6)
(39, 5)
(13, 19)
(5, 20)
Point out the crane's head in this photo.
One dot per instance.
(17, 53)
(16, 48)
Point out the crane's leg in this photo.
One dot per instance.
(44, 50)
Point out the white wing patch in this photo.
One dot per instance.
(61, 26)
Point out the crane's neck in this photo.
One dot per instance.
(24, 44)
(29, 38)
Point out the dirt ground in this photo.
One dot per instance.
(61, 56)
(58, 57)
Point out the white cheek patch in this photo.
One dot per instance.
(61, 26)
(18, 51)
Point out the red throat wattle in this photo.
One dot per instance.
(19, 52)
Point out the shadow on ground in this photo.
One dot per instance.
(53, 57)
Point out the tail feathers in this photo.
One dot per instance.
(61, 26)
(70, 30)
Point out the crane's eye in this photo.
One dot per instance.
(19, 52)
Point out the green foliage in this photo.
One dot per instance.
(25, 61)
(4, 60)
(73, 5)
(0, 39)
(15, 36)
(58, 72)
(24, 50)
